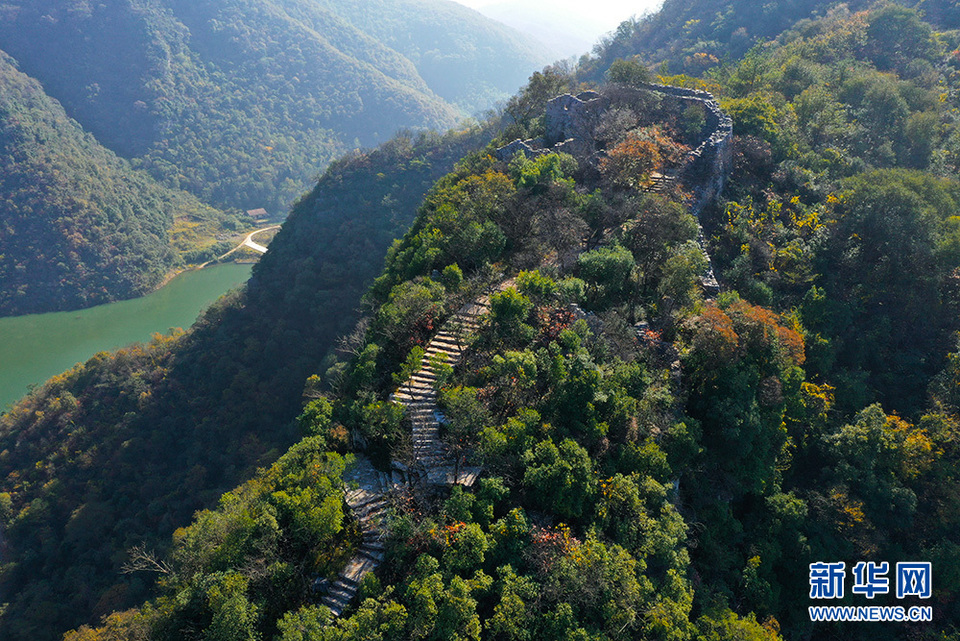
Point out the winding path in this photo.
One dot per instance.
(246, 242)
(368, 490)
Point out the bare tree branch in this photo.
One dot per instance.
(143, 560)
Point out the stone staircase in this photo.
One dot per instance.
(420, 397)
(660, 183)
(368, 501)
(368, 489)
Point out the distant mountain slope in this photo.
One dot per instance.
(78, 226)
(717, 28)
(241, 102)
(466, 58)
(720, 30)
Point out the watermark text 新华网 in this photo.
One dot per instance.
(828, 581)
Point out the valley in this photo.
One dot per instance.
(36, 347)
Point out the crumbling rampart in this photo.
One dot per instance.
(572, 122)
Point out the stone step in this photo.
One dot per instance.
(365, 501)
(359, 496)
(414, 395)
(444, 352)
(430, 453)
(421, 412)
(347, 581)
(429, 448)
(419, 405)
(358, 567)
(426, 430)
(335, 605)
(449, 348)
(417, 385)
(341, 592)
(418, 393)
(339, 601)
(366, 519)
(373, 555)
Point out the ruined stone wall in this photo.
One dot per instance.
(707, 166)
(571, 123)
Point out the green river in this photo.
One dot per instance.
(34, 348)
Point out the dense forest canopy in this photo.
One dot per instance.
(660, 461)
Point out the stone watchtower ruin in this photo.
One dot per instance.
(571, 124)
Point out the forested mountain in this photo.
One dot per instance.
(131, 444)
(672, 479)
(242, 102)
(465, 58)
(693, 36)
(658, 461)
(78, 225)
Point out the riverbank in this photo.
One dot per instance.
(38, 346)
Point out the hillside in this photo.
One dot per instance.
(693, 37)
(242, 102)
(656, 459)
(80, 226)
(444, 40)
(136, 441)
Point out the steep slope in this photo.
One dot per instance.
(242, 102)
(131, 444)
(572, 534)
(693, 36)
(79, 226)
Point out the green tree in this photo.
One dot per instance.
(560, 479)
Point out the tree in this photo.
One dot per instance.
(629, 72)
(524, 107)
(609, 270)
(560, 479)
(884, 268)
(509, 311)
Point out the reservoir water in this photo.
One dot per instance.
(33, 348)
